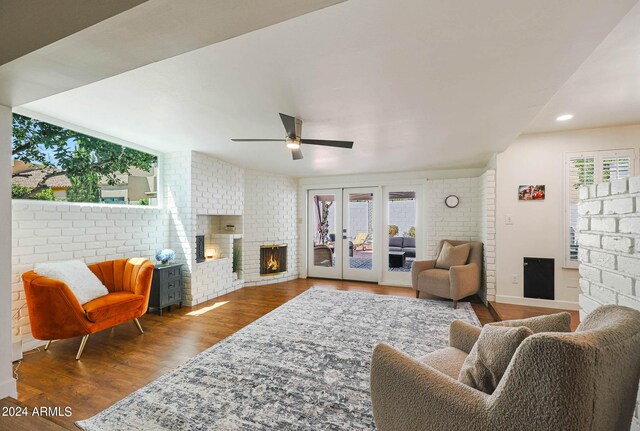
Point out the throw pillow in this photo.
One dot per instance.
(452, 255)
(74, 273)
(558, 322)
(490, 356)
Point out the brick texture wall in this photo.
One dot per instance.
(609, 248)
(460, 223)
(216, 189)
(488, 233)
(270, 217)
(50, 231)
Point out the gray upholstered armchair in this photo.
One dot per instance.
(585, 380)
(455, 283)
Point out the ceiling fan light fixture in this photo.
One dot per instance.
(293, 144)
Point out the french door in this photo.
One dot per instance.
(342, 228)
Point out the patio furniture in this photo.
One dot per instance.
(583, 380)
(360, 240)
(397, 259)
(55, 312)
(454, 283)
(322, 256)
(406, 244)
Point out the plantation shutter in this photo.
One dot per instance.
(585, 169)
(616, 167)
(581, 172)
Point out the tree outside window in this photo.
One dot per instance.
(55, 163)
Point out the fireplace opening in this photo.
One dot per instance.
(273, 259)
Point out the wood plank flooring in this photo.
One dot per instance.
(511, 312)
(119, 360)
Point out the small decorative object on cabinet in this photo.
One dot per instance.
(165, 256)
(166, 286)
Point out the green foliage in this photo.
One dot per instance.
(19, 192)
(586, 172)
(23, 192)
(237, 256)
(412, 232)
(75, 155)
(144, 201)
(84, 189)
(393, 230)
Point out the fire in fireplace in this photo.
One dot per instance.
(273, 259)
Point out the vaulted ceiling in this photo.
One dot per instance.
(416, 84)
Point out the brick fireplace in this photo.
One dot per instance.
(273, 259)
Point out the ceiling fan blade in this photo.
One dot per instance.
(258, 140)
(327, 143)
(297, 154)
(289, 123)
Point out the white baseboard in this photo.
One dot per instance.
(16, 351)
(8, 389)
(535, 302)
(32, 344)
(395, 284)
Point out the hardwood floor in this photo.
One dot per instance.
(511, 312)
(119, 360)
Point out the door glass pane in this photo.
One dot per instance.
(402, 231)
(324, 234)
(359, 225)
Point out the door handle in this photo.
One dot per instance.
(344, 237)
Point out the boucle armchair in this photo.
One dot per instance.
(586, 380)
(455, 283)
(55, 313)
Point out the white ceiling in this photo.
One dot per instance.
(605, 90)
(416, 84)
(152, 31)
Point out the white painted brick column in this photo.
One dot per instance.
(488, 233)
(609, 248)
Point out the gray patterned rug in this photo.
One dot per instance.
(304, 366)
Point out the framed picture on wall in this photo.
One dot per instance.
(531, 192)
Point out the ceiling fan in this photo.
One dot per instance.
(293, 127)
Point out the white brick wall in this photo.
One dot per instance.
(460, 223)
(610, 248)
(52, 231)
(270, 217)
(217, 188)
(175, 175)
(488, 233)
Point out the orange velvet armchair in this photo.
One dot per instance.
(55, 313)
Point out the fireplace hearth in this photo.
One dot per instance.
(273, 259)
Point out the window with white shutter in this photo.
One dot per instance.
(585, 169)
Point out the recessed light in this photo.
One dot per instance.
(565, 117)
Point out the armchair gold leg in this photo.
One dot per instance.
(46, 347)
(138, 325)
(455, 304)
(82, 344)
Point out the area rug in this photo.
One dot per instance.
(304, 366)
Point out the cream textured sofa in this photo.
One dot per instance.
(455, 283)
(583, 381)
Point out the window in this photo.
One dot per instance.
(585, 169)
(58, 164)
